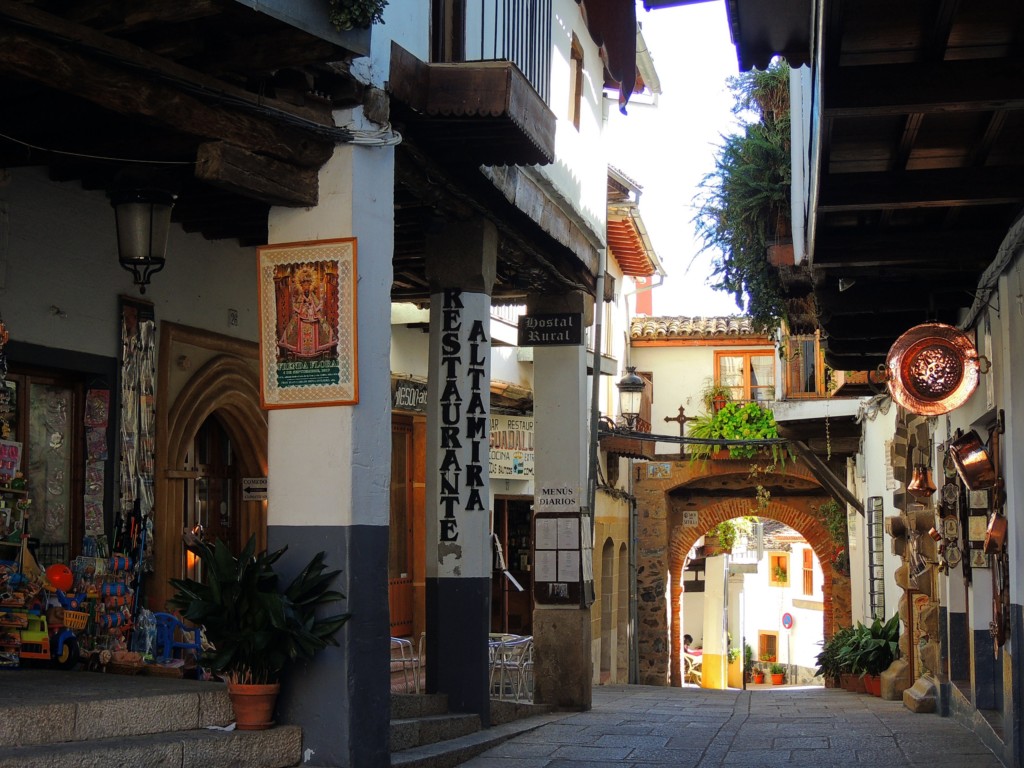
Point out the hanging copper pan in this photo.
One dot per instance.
(972, 461)
(933, 368)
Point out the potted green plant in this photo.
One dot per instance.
(758, 675)
(721, 538)
(877, 646)
(744, 206)
(748, 662)
(830, 665)
(778, 672)
(255, 627)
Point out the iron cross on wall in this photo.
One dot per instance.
(682, 418)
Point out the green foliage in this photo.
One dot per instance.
(748, 658)
(743, 206)
(255, 627)
(739, 421)
(830, 664)
(728, 531)
(863, 650)
(776, 668)
(833, 515)
(355, 14)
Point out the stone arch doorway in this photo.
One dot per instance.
(203, 376)
(677, 502)
(682, 538)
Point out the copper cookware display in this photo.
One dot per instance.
(972, 461)
(921, 486)
(933, 368)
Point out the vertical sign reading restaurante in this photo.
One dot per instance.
(463, 427)
(307, 295)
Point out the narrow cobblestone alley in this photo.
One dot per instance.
(648, 727)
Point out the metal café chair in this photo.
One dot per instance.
(404, 659)
(512, 666)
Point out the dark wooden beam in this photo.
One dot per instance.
(259, 177)
(130, 81)
(920, 189)
(872, 248)
(970, 85)
(825, 476)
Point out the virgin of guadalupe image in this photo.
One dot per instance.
(304, 309)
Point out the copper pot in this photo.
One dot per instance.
(972, 461)
(995, 536)
(933, 368)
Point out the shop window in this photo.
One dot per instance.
(805, 367)
(749, 375)
(808, 572)
(767, 646)
(778, 570)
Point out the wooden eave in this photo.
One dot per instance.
(921, 155)
(629, 447)
(477, 112)
(702, 341)
(628, 246)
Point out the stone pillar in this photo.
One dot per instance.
(714, 660)
(563, 666)
(461, 262)
(329, 471)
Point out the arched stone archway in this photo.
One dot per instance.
(203, 374)
(802, 520)
(669, 492)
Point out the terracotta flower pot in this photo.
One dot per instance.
(873, 685)
(777, 679)
(759, 678)
(253, 705)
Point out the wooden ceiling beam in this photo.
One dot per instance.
(858, 248)
(130, 81)
(254, 176)
(970, 85)
(933, 188)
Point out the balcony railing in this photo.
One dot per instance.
(502, 30)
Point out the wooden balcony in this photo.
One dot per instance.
(474, 112)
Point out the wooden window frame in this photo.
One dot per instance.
(777, 559)
(792, 366)
(746, 354)
(575, 81)
(808, 557)
(764, 648)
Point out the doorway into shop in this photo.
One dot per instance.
(512, 593)
(212, 493)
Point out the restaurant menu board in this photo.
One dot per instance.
(557, 563)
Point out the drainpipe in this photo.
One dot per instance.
(595, 398)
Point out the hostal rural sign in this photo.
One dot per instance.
(551, 330)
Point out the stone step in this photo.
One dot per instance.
(131, 707)
(405, 705)
(419, 731)
(452, 752)
(277, 747)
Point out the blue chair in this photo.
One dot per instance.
(168, 629)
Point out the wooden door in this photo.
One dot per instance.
(400, 542)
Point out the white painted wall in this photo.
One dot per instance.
(765, 605)
(58, 249)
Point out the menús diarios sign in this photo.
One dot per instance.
(511, 446)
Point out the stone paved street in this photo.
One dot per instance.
(645, 727)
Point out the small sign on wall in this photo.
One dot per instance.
(254, 489)
(690, 518)
(551, 330)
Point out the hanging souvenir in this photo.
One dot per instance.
(933, 368)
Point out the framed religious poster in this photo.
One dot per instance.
(307, 301)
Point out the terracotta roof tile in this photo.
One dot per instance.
(690, 327)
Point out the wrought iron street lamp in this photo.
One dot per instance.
(143, 219)
(631, 389)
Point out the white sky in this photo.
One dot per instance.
(667, 150)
